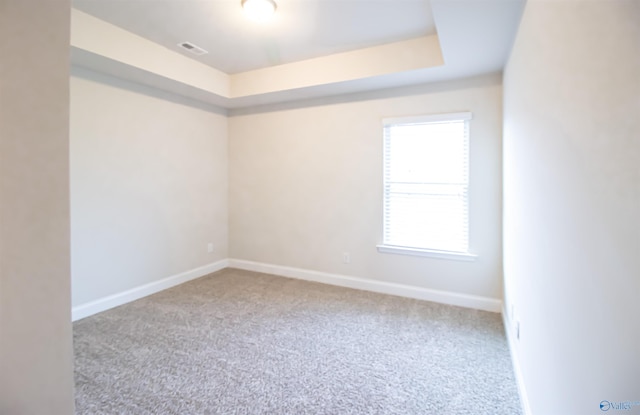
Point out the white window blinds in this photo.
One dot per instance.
(426, 180)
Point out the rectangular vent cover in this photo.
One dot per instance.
(196, 50)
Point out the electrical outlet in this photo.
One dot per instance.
(346, 258)
(210, 247)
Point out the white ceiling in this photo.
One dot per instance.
(472, 37)
(300, 29)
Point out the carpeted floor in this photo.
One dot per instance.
(237, 342)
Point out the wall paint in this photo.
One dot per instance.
(306, 186)
(36, 375)
(572, 197)
(148, 185)
(419, 53)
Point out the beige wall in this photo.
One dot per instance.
(306, 186)
(148, 185)
(35, 321)
(572, 198)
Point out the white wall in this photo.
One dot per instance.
(572, 198)
(36, 375)
(306, 186)
(148, 185)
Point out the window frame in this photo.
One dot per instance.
(419, 251)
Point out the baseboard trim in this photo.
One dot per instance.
(102, 304)
(445, 297)
(517, 369)
(383, 287)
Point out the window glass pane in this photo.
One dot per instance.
(425, 188)
(428, 221)
(427, 153)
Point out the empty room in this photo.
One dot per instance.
(320, 207)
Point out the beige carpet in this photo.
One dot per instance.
(237, 342)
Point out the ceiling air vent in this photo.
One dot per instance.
(192, 48)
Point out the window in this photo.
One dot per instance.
(426, 181)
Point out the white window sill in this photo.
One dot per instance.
(431, 253)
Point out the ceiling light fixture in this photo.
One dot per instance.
(259, 10)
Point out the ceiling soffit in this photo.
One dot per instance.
(473, 38)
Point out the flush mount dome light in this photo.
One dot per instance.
(259, 10)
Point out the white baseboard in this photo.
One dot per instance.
(102, 304)
(522, 390)
(445, 297)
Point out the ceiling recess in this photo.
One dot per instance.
(191, 48)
